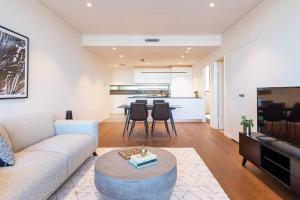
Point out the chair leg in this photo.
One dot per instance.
(152, 128)
(132, 127)
(167, 127)
(126, 124)
(146, 128)
(172, 122)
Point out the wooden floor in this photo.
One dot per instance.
(218, 152)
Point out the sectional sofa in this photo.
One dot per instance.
(46, 153)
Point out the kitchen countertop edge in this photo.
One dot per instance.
(137, 97)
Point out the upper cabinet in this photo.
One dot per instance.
(181, 71)
(161, 75)
(152, 75)
(181, 82)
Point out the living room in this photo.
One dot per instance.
(75, 76)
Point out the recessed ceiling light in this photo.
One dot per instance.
(182, 56)
(189, 48)
(186, 52)
(89, 4)
(212, 5)
(121, 56)
(114, 48)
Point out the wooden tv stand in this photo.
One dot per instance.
(283, 167)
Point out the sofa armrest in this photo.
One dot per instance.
(77, 126)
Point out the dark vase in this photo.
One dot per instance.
(69, 115)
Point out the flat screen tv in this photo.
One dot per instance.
(278, 113)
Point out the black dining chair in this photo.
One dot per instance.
(158, 101)
(127, 121)
(138, 112)
(160, 112)
(137, 101)
(141, 101)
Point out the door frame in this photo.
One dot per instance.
(217, 92)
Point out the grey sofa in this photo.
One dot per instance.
(47, 152)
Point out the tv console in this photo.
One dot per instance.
(279, 159)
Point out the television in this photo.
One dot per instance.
(278, 113)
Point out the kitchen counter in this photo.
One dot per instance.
(191, 108)
(161, 97)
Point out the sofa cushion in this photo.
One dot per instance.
(76, 147)
(36, 175)
(6, 152)
(27, 130)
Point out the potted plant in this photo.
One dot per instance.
(247, 124)
(196, 94)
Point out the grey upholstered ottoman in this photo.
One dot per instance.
(116, 179)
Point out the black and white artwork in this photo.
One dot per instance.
(13, 64)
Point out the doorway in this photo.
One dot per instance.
(216, 94)
(207, 94)
(220, 94)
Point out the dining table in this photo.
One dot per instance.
(126, 108)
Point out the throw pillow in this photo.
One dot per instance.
(6, 152)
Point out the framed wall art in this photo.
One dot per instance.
(14, 53)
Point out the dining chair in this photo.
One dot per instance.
(160, 112)
(171, 115)
(128, 121)
(138, 112)
(158, 101)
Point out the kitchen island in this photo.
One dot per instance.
(191, 108)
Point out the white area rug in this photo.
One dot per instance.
(194, 180)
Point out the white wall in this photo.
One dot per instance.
(260, 50)
(62, 74)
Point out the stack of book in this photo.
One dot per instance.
(140, 161)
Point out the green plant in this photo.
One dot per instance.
(246, 122)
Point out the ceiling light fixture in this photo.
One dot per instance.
(212, 5)
(114, 48)
(186, 52)
(121, 56)
(189, 48)
(182, 56)
(89, 4)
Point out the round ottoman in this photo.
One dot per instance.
(116, 179)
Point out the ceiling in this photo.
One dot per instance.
(150, 17)
(153, 56)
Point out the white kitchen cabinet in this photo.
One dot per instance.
(152, 75)
(191, 109)
(181, 82)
